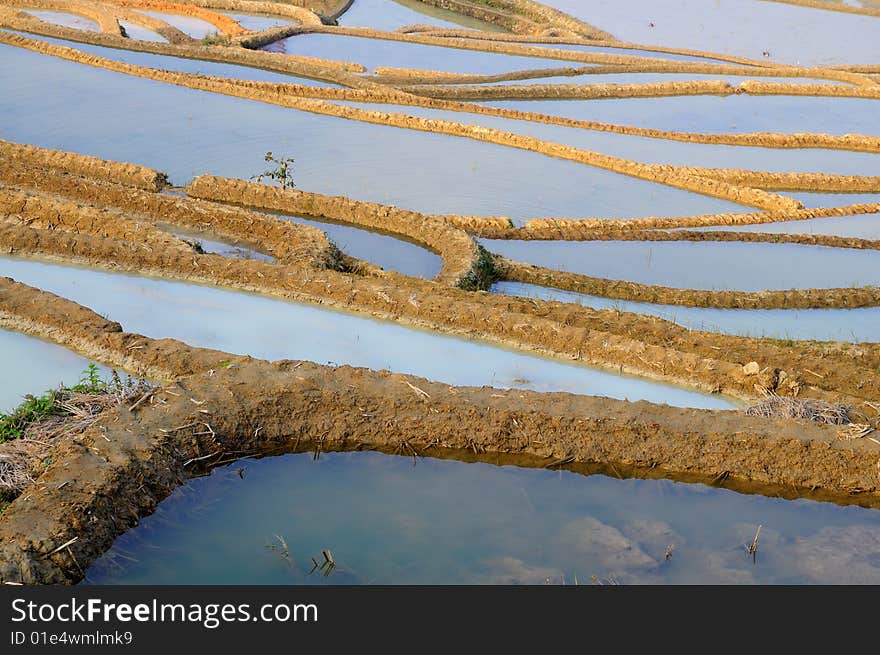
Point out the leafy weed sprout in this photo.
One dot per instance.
(80, 401)
(281, 173)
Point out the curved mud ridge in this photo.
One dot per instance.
(465, 264)
(100, 482)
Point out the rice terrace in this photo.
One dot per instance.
(439, 292)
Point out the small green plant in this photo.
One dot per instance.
(281, 172)
(57, 402)
(90, 381)
(216, 39)
(483, 273)
(3, 507)
(33, 408)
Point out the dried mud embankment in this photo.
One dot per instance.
(105, 14)
(12, 154)
(587, 229)
(301, 15)
(224, 24)
(77, 196)
(101, 482)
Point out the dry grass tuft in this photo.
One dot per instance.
(774, 406)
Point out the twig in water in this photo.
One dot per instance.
(753, 549)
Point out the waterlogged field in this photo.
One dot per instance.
(441, 522)
(743, 361)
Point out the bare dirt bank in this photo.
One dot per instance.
(101, 482)
(623, 342)
(286, 241)
(12, 154)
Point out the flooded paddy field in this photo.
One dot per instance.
(575, 294)
(736, 266)
(677, 153)
(393, 14)
(443, 522)
(272, 329)
(744, 28)
(376, 53)
(39, 365)
(718, 114)
(848, 325)
(228, 136)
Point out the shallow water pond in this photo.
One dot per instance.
(811, 199)
(662, 151)
(719, 114)
(393, 14)
(727, 265)
(860, 226)
(138, 33)
(850, 325)
(194, 27)
(249, 324)
(32, 366)
(387, 521)
(65, 19)
(210, 244)
(375, 53)
(186, 132)
(389, 252)
(746, 28)
(259, 22)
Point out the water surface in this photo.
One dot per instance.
(374, 53)
(185, 132)
(720, 265)
(746, 28)
(248, 324)
(139, 33)
(194, 27)
(662, 151)
(859, 226)
(387, 521)
(65, 19)
(850, 325)
(32, 366)
(389, 252)
(393, 14)
(719, 114)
